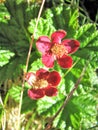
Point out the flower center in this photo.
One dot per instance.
(59, 50)
(40, 83)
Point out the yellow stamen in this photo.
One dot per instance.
(59, 50)
(40, 83)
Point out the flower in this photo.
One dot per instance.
(57, 49)
(43, 83)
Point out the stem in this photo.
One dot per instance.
(2, 116)
(49, 125)
(31, 43)
(3, 112)
(71, 68)
(27, 62)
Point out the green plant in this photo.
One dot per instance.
(16, 30)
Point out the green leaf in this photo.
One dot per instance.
(5, 56)
(21, 12)
(48, 106)
(84, 53)
(93, 48)
(16, 11)
(14, 42)
(12, 70)
(71, 114)
(36, 65)
(68, 82)
(12, 34)
(14, 92)
(63, 17)
(4, 15)
(28, 104)
(15, 38)
(44, 27)
(87, 35)
(1, 109)
(86, 103)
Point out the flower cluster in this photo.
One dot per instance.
(44, 82)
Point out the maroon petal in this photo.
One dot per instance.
(30, 78)
(57, 36)
(71, 45)
(54, 78)
(43, 44)
(48, 60)
(36, 93)
(51, 91)
(65, 61)
(42, 73)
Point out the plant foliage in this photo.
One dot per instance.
(15, 36)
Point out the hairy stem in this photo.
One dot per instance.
(27, 62)
(49, 125)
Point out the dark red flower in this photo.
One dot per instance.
(57, 49)
(43, 83)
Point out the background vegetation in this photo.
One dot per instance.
(17, 22)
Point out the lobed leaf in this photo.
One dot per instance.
(14, 92)
(63, 17)
(28, 104)
(5, 56)
(87, 35)
(44, 27)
